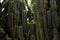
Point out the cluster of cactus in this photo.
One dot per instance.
(42, 23)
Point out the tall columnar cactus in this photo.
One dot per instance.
(21, 33)
(55, 25)
(54, 19)
(49, 24)
(10, 12)
(38, 12)
(44, 19)
(24, 24)
(13, 18)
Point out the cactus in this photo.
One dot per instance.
(55, 25)
(36, 28)
(54, 19)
